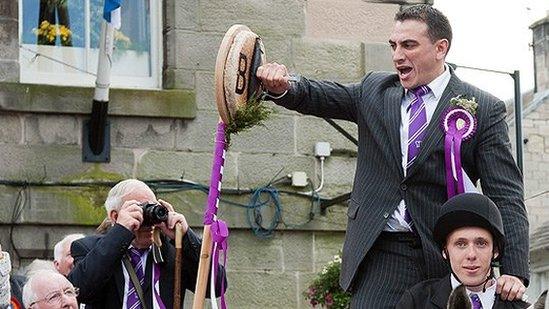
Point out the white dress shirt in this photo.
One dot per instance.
(396, 222)
(487, 298)
(127, 281)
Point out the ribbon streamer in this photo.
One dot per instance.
(220, 234)
(459, 125)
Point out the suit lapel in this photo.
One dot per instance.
(442, 292)
(392, 101)
(120, 282)
(434, 133)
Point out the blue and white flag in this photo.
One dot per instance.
(111, 13)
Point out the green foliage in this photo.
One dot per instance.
(325, 290)
(255, 112)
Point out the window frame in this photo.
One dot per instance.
(81, 79)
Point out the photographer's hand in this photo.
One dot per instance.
(130, 215)
(168, 228)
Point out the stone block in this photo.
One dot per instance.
(196, 50)
(262, 290)
(378, 57)
(205, 91)
(178, 79)
(535, 144)
(297, 249)
(52, 129)
(198, 134)
(329, 59)
(170, 51)
(276, 135)
(154, 133)
(310, 130)
(262, 16)
(11, 129)
(9, 49)
(339, 171)
(186, 14)
(278, 49)
(61, 163)
(258, 169)
(77, 100)
(196, 167)
(33, 241)
(9, 10)
(350, 20)
(9, 71)
(326, 246)
(303, 282)
(60, 205)
(249, 253)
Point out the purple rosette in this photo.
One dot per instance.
(458, 125)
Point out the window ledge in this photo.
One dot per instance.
(172, 103)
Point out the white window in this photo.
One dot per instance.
(59, 43)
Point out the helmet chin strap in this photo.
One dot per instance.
(489, 275)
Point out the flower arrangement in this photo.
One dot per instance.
(462, 101)
(47, 33)
(325, 290)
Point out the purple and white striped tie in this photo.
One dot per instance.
(475, 301)
(417, 125)
(132, 301)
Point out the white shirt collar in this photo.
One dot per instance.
(487, 298)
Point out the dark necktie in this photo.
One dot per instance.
(417, 124)
(132, 301)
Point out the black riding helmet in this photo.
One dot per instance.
(469, 209)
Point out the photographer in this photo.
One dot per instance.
(102, 269)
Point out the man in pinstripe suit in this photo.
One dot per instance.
(397, 189)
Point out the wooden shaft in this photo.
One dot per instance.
(203, 269)
(178, 265)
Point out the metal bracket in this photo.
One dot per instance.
(96, 135)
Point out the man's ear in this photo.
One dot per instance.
(442, 48)
(113, 216)
(444, 254)
(496, 253)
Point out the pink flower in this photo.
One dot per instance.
(329, 299)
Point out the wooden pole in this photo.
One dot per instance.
(203, 269)
(178, 265)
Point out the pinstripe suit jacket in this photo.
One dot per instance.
(379, 183)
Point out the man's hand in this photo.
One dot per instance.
(510, 287)
(168, 227)
(130, 215)
(274, 77)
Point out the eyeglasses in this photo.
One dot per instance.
(55, 297)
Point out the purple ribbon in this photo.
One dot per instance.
(216, 175)
(455, 134)
(218, 228)
(220, 234)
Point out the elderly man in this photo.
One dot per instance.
(47, 289)
(62, 258)
(122, 268)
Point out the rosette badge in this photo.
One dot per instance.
(459, 124)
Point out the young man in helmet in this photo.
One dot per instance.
(469, 232)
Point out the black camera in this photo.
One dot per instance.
(153, 213)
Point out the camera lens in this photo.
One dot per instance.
(154, 213)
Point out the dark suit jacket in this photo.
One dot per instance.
(380, 184)
(434, 293)
(98, 268)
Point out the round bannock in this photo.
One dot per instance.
(240, 54)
